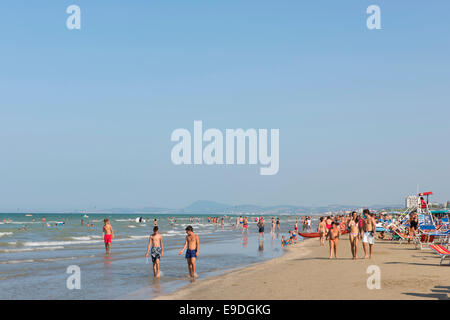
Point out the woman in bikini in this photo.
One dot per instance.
(353, 227)
(413, 226)
(322, 229)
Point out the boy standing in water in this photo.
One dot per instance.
(245, 225)
(192, 245)
(156, 243)
(108, 234)
(261, 228)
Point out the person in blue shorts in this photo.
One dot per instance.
(192, 245)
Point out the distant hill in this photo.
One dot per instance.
(206, 207)
(213, 207)
(217, 208)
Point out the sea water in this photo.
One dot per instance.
(35, 255)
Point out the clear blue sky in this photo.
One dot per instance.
(86, 116)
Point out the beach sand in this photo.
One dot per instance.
(305, 272)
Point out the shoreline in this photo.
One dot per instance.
(290, 253)
(305, 272)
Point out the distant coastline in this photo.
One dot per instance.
(216, 208)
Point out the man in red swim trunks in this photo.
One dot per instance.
(108, 234)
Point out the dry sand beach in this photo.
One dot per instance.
(305, 272)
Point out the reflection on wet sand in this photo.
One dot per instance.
(245, 242)
(260, 246)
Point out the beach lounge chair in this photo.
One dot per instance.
(400, 236)
(442, 251)
(423, 239)
(441, 237)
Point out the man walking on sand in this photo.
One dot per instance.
(369, 227)
(192, 245)
(157, 250)
(108, 234)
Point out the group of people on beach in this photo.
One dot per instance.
(359, 227)
(156, 248)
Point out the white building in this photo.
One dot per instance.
(411, 201)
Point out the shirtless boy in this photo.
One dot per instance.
(333, 235)
(369, 227)
(192, 245)
(108, 234)
(261, 228)
(157, 250)
(245, 225)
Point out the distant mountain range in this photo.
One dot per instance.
(212, 207)
(217, 208)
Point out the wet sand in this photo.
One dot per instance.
(305, 272)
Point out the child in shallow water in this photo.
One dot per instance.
(283, 241)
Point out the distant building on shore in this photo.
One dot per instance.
(411, 201)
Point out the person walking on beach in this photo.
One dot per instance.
(278, 224)
(245, 225)
(353, 226)
(108, 235)
(155, 223)
(369, 233)
(261, 228)
(157, 250)
(322, 229)
(413, 226)
(361, 226)
(308, 223)
(328, 222)
(273, 225)
(333, 236)
(192, 246)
